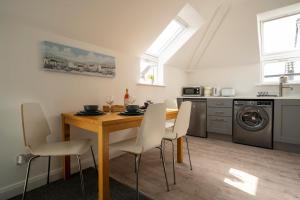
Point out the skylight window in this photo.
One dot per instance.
(171, 39)
(173, 30)
(279, 34)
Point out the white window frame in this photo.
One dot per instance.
(161, 58)
(278, 56)
(158, 79)
(173, 38)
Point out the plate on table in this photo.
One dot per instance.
(90, 113)
(126, 113)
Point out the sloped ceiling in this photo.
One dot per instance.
(235, 43)
(130, 26)
(206, 9)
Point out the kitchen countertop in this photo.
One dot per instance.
(242, 97)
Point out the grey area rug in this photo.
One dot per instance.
(70, 189)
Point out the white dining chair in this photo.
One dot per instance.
(149, 136)
(35, 132)
(171, 104)
(180, 130)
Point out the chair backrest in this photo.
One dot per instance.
(153, 127)
(35, 125)
(171, 103)
(183, 119)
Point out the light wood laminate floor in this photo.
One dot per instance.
(221, 171)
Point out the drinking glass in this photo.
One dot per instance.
(131, 100)
(110, 101)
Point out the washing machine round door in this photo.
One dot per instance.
(252, 118)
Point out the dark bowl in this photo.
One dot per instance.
(132, 108)
(91, 108)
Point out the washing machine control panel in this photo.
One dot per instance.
(253, 103)
(264, 103)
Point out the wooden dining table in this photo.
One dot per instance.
(103, 126)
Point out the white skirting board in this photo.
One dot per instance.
(14, 189)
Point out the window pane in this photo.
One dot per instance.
(281, 34)
(163, 40)
(272, 71)
(296, 77)
(148, 71)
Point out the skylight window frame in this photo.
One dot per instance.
(282, 56)
(157, 80)
(183, 27)
(189, 19)
(157, 57)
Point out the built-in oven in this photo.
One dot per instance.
(192, 91)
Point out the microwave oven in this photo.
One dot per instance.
(192, 91)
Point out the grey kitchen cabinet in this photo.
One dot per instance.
(287, 121)
(220, 102)
(221, 124)
(219, 116)
(217, 111)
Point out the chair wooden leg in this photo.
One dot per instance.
(81, 176)
(27, 176)
(48, 175)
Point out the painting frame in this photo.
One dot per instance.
(67, 59)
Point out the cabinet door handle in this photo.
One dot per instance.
(218, 112)
(219, 120)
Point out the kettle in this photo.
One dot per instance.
(216, 91)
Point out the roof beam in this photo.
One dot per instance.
(209, 33)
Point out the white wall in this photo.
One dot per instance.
(23, 80)
(244, 79)
(232, 57)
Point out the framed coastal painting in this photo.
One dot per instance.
(63, 58)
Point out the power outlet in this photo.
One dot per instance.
(23, 158)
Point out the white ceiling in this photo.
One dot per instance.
(235, 42)
(121, 25)
(131, 26)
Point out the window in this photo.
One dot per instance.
(279, 34)
(173, 30)
(151, 65)
(149, 70)
(171, 39)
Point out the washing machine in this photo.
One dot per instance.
(253, 122)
